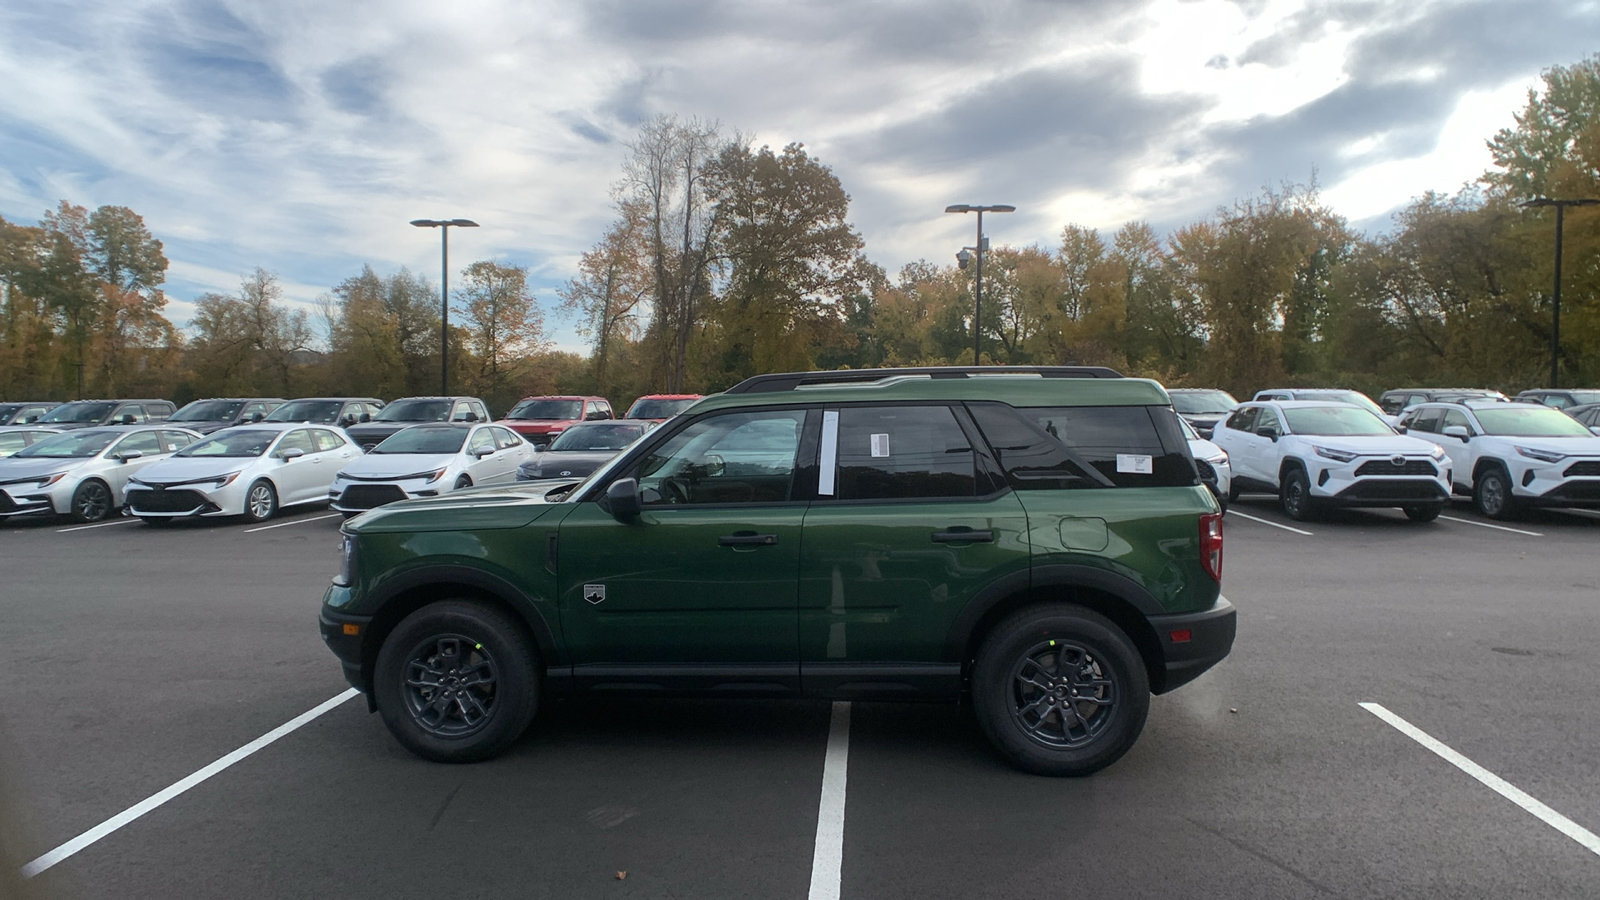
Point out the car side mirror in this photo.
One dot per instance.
(1457, 431)
(481, 452)
(1402, 429)
(538, 446)
(292, 453)
(622, 499)
(126, 455)
(130, 419)
(1270, 434)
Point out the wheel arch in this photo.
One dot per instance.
(1291, 462)
(1116, 597)
(1488, 462)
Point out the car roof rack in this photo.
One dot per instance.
(788, 381)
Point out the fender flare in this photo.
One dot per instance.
(1060, 575)
(446, 574)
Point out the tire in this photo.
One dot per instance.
(1021, 659)
(1491, 493)
(1295, 495)
(462, 482)
(1424, 513)
(91, 502)
(260, 501)
(1233, 492)
(433, 645)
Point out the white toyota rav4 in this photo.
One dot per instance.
(1315, 453)
(1512, 455)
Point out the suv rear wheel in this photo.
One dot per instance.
(1059, 690)
(457, 681)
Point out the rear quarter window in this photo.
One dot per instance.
(1087, 446)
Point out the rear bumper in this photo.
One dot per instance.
(1209, 640)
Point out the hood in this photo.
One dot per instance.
(1204, 449)
(12, 468)
(568, 464)
(498, 506)
(205, 426)
(1567, 446)
(538, 426)
(394, 465)
(175, 469)
(367, 432)
(1373, 444)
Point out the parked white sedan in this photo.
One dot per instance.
(83, 473)
(426, 461)
(248, 470)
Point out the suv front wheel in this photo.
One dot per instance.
(1059, 690)
(457, 681)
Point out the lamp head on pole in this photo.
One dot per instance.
(435, 223)
(963, 258)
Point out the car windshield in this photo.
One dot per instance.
(597, 437)
(1334, 420)
(1578, 397)
(78, 412)
(322, 412)
(7, 410)
(547, 409)
(423, 440)
(650, 408)
(1189, 434)
(242, 444)
(1202, 402)
(208, 411)
(1354, 398)
(1528, 421)
(415, 411)
(73, 445)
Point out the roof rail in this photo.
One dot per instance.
(788, 381)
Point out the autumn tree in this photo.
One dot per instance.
(502, 326)
(610, 296)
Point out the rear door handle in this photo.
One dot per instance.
(963, 535)
(747, 538)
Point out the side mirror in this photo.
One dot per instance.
(1457, 431)
(292, 453)
(130, 419)
(538, 446)
(126, 455)
(622, 499)
(1270, 434)
(481, 452)
(256, 417)
(1401, 429)
(346, 420)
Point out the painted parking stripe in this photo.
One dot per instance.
(295, 522)
(96, 525)
(1495, 527)
(1234, 512)
(156, 800)
(827, 860)
(1499, 785)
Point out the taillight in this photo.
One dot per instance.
(1211, 545)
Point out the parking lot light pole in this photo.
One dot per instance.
(444, 291)
(977, 306)
(1555, 291)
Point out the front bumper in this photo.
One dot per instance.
(179, 502)
(1191, 643)
(1574, 481)
(343, 634)
(26, 500)
(1378, 481)
(352, 496)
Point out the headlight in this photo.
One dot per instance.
(347, 561)
(435, 475)
(48, 480)
(340, 475)
(1548, 456)
(1221, 459)
(1437, 453)
(1335, 454)
(225, 480)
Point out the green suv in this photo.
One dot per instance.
(1034, 539)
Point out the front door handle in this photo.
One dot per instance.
(962, 535)
(746, 539)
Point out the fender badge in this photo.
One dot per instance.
(594, 593)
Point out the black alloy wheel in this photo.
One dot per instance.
(1296, 495)
(1492, 494)
(457, 681)
(1060, 690)
(91, 502)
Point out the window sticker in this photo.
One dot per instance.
(1135, 463)
(880, 445)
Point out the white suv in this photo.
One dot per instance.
(1315, 454)
(1510, 455)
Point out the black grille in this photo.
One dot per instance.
(1387, 467)
(1585, 492)
(369, 496)
(1207, 473)
(1397, 491)
(165, 501)
(6, 503)
(1588, 467)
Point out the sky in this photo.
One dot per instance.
(302, 136)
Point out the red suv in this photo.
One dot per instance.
(660, 407)
(540, 419)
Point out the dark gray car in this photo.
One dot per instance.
(582, 448)
(206, 416)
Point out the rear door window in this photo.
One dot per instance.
(1428, 420)
(1244, 419)
(903, 452)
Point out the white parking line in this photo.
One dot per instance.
(67, 850)
(295, 522)
(1545, 814)
(1495, 527)
(1234, 512)
(827, 861)
(96, 525)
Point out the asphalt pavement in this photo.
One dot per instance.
(138, 656)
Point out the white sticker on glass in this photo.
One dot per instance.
(880, 445)
(1135, 464)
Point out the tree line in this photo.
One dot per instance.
(726, 259)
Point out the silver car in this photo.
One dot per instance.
(83, 473)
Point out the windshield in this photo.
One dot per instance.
(1525, 421)
(322, 412)
(647, 408)
(1202, 402)
(1334, 420)
(242, 444)
(547, 409)
(74, 445)
(1189, 434)
(1355, 398)
(596, 437)
(415, 411)
(423, 440)
(208, 411)
(78, 412)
